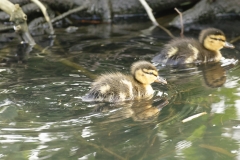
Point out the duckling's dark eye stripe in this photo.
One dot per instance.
(218, 39)
(149, 73)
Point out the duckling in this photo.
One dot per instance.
(188, 50)
(117, 87)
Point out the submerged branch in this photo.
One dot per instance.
(217, 149)
(78, 67)
(100, 147)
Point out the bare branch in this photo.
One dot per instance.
(181, 21)
(68, 13)
(153, 19)
(19, 18)
(6, 6)
(235, 40)
(44, 10)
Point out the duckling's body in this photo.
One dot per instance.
(188, 50)
(116, 87)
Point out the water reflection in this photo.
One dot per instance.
(137, 110)
(214, 75)
(8, 111)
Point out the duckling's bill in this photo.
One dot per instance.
(161, 80)
(228, 45)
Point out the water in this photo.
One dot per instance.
(42, 115)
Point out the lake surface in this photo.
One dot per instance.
(42, 115)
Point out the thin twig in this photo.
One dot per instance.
(100, 147)
(181, 21)
(80, 8)
(112, 153)
(153, 19)
(193, 117)
(146, 150)
(235, 39)
(44, 11)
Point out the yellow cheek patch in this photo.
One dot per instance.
(214, 42)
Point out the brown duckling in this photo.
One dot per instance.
(117, 87)
(188, 50)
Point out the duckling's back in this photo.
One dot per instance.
(114, 87)
(181, 51)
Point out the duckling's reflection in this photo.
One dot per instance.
(141, 110)
(214, 75)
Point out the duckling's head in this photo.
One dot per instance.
(146, 73)
(213, 39)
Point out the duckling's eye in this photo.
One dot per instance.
(218, 39)
(151, 73)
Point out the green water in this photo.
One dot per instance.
(42, 115)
